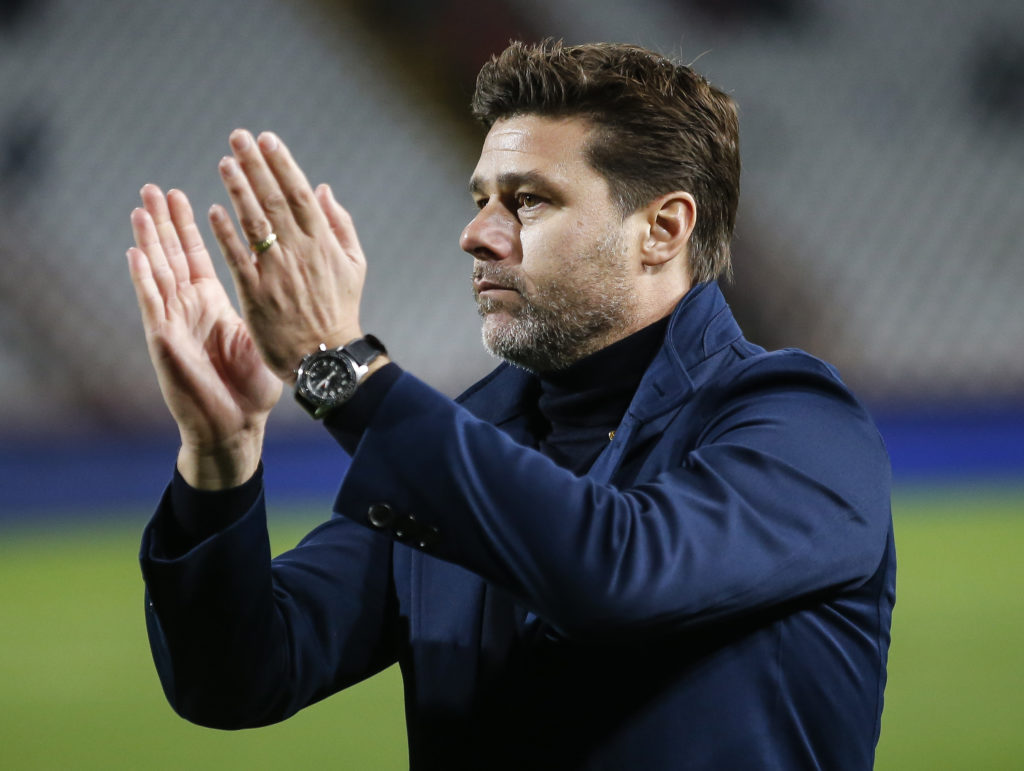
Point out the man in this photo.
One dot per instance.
(645, 543)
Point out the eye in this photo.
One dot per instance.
(528, 200)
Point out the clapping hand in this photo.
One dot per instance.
(211, 375)
(300, 270)
(221, 373)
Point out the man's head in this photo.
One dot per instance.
(589, 189)
(658, 126)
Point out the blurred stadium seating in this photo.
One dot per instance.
(881, 221)
(881, 227)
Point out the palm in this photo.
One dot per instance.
(208, 357)
(210, 372)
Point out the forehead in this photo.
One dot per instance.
(531, 144)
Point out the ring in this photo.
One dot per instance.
(261, 246)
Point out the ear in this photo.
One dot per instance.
(669, 220)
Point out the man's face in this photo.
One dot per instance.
(552, 273)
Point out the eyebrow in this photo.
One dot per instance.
(513, 179)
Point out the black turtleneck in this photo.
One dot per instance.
(583, 403)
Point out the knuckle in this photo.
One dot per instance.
(274, 201)
(252, 224)
(300, 197)
(236, 185)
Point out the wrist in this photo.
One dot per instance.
(379, 363)
(329, 341)
(328, 377)
(221, 465)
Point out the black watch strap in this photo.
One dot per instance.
(365, 349)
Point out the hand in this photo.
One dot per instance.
(217, 388)
(305, 288)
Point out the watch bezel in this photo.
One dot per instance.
(346, 365)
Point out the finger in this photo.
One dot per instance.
(147, 240)
(236, 252)
(258, 201)
(254, 223)
(156, 204)
(340, 222)
(199, 263)
(292, 183)
(146, 292)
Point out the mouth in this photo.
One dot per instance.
(481, 286)
(493, 286)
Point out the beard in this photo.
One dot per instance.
(566, 316)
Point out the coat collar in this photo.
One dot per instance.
(701, 325)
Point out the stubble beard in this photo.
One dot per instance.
(565, 317)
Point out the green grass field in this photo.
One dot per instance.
(78, 689)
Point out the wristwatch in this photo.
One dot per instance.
(327, 378)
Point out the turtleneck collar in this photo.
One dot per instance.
(584, 402)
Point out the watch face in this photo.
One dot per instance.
(327, 379)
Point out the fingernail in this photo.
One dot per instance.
(239, 139)
(268, 141)
(227, 165)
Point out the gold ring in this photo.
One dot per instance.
(261, 246)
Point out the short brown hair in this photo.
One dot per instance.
(660, 126)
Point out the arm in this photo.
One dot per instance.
(240, 641)
(237, 640)
(765, 509)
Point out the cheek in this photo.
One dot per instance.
(548, 251)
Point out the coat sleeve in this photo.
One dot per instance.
(240, 640)
(779, 490)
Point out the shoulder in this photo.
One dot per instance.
(793, 404)
(746, 368)
(789, 394)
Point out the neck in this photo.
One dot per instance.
(582, 403)
(659, 290)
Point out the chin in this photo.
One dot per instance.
(494, 328)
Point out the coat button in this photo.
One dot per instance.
(380, 515)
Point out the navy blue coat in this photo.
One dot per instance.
(715, 593)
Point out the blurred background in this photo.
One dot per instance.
(880, 227)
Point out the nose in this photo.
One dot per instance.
(492, 234)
